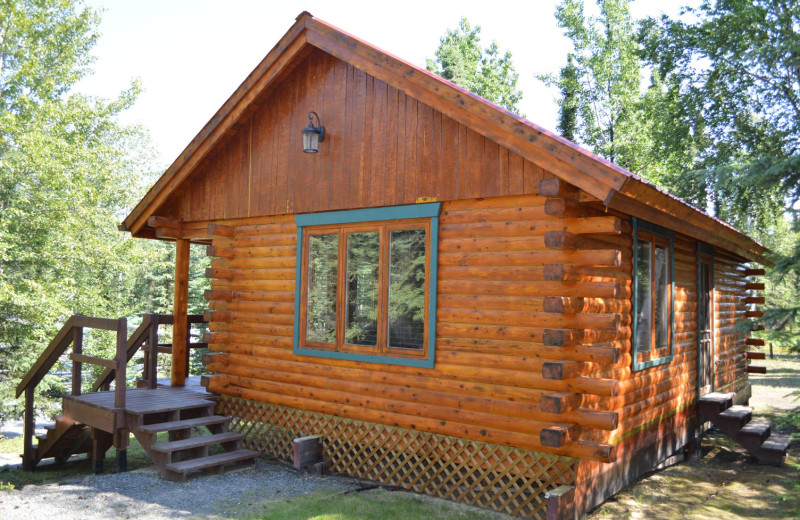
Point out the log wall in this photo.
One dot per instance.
(521, 337)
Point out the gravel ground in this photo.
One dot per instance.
(142, 495)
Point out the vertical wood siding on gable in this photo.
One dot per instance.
(381, 148)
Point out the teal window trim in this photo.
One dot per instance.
(668, 235)
(411, 211)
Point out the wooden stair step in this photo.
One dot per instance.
(737, 415)
(184, 424)
(778, 442)
(173, 407)
(196, 442)
(212, 461)
(715, 403)
(759, 428)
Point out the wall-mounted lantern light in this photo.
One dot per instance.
(312, 135)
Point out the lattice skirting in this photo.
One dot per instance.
(496, 477)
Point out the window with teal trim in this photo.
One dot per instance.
(653, 295)
(366, 286)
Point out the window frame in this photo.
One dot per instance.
(655, 235)
(384, 220)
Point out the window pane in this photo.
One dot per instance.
(661, 282)
(407, 289)
(323, 255)
(644, 297)
(363, 255)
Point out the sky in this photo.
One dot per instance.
(190, 56)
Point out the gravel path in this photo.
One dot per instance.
(142, 495)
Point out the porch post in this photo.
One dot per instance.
(179, 327)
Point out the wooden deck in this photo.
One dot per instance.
(96, 409)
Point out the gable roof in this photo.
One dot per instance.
(616, 187)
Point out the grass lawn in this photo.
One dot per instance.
(373, 504)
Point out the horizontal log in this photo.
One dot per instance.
(285, 226)
(572, 305)
(219, 252)
(219, 273)
(756, 355)
(603, 354)
(560, 370)
(601, 225)
(254, 252)
(272, 308)
(571, 337)
(756, 370)
(566, 208)
(753, 286)
(218, 316)
(754, 300)
(217, 294)
(221, 230)
(558, 435)
(544, 288)
(560, 402)
(754, 272)
(611, 257)
(264, 241)
(581, 273)
(558, 188)
(524, 317)
(216, 337)
(511, 213)
(220, 358)
(756, 342)
(169, 233)
(560, 239)
(215, 380)
(491, 203)
(155, 221)
(265, 262)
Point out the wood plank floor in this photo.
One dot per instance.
(145, 400)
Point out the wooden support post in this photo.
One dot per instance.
(28, 429)
(152, 360)
(99, 443)
(561, 503)
(121, 438)
(307, 451)
(180, 336)
(121, 367)
(77, 366)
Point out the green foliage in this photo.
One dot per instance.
(485, 72)
(69, 172)
(601, 104)
(732, 71)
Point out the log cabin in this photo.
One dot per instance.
(445, 296)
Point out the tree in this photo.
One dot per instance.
(734, 71)
(601, 105)
(485, 72)
(68, 174)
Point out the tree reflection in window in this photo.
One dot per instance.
(407, 288)
(323, 259)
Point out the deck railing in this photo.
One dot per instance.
(146, 335)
